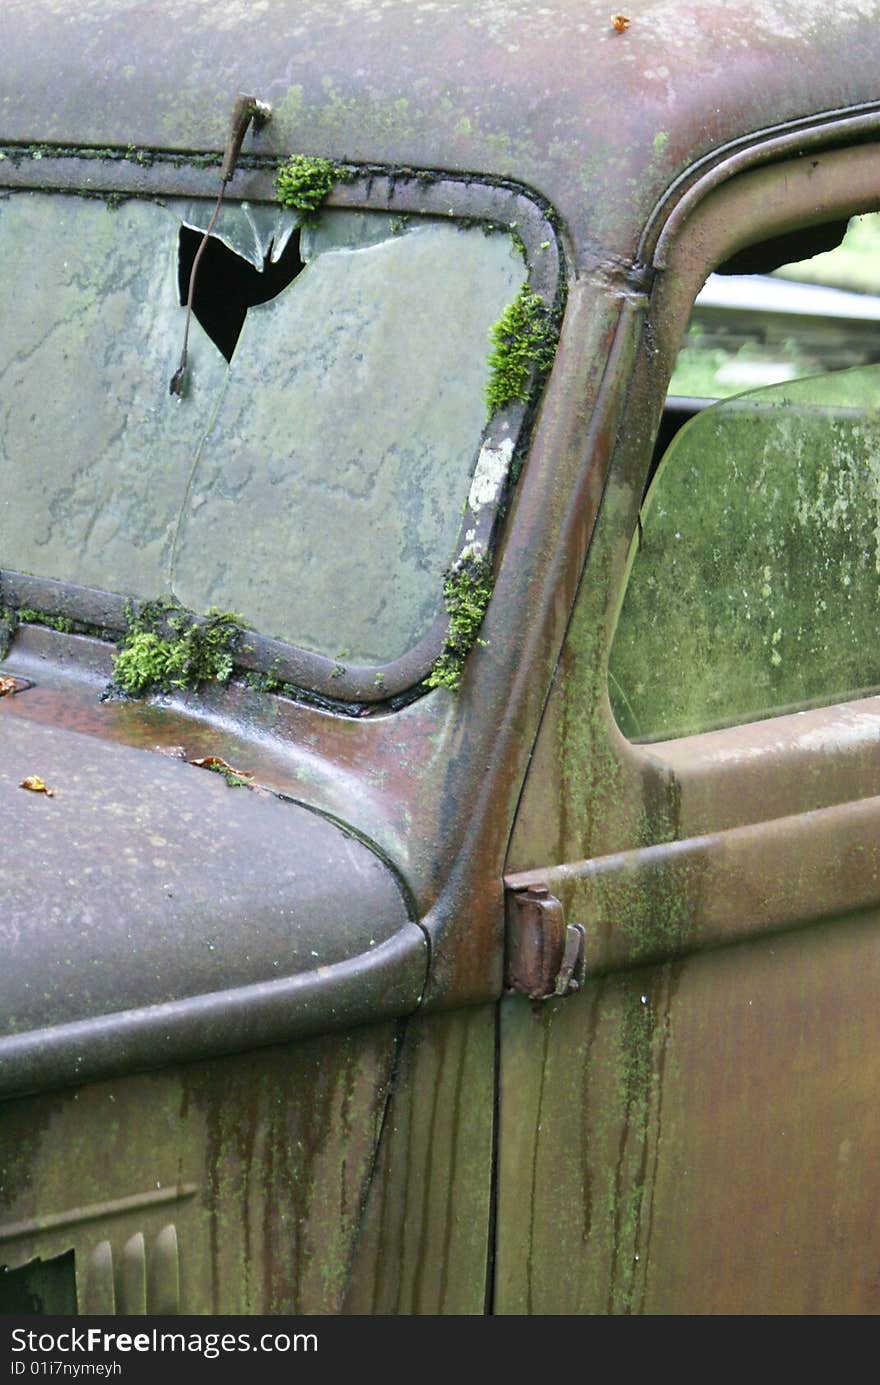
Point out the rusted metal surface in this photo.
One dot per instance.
(395, 779)
(697, 1138)
(668, 1130)
(589, 791)
(662, 902)
(260, 1164)
(451, 87)
(425, 1241)
(647, 120)
(418, 782)
(544, 953)
(795, 763)
(535, 938)
(244, 1162)
(144, 919)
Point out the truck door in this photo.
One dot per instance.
(694, 1128)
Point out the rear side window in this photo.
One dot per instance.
(755, 583)
(754, 579)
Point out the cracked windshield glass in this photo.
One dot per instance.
(312, 478)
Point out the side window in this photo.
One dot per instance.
(754, 583)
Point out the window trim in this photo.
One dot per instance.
(789, 762)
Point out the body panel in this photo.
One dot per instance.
(425, 1244)
(259, 1162)
(696, 1135)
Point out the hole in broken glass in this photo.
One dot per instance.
(227, 284)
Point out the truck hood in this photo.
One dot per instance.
(152, 913)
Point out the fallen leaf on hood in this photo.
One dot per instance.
(36, 785)
(235, 778)
(9, 685)
(620, 22)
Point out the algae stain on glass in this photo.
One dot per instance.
(755, 588)
(314, 484)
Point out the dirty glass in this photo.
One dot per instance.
(315, 485)
(755, 583)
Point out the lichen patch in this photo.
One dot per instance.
(490, 474)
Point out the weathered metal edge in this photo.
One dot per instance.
(384, 983)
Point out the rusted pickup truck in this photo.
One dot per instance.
(440, 845)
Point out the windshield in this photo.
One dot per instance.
(314, 483)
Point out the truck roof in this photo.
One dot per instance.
(601, 120)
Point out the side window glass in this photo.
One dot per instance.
(754, 583)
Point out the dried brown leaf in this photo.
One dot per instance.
(620, 22)
(233, 776)
(9, 685)
(36, 785)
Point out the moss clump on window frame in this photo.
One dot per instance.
(523, 342)
(466, 592)
(63, 624)
(166, 648)
(302, 183)
(8, 627)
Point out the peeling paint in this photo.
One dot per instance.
(490, 474)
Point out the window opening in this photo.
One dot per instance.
(754, 582)
(799, 304)
(41, 1287)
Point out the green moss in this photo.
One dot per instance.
(62, 623)
(523, 341)
(144, 157)
(167, 647)
(636, 1036)
(232, 777)
(303, 183)
(628, 1190)
(466, 592)
(263, 682)
(8, 627)
(518, 243)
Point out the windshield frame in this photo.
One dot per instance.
(114, 174)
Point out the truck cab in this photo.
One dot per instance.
(438, 768)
